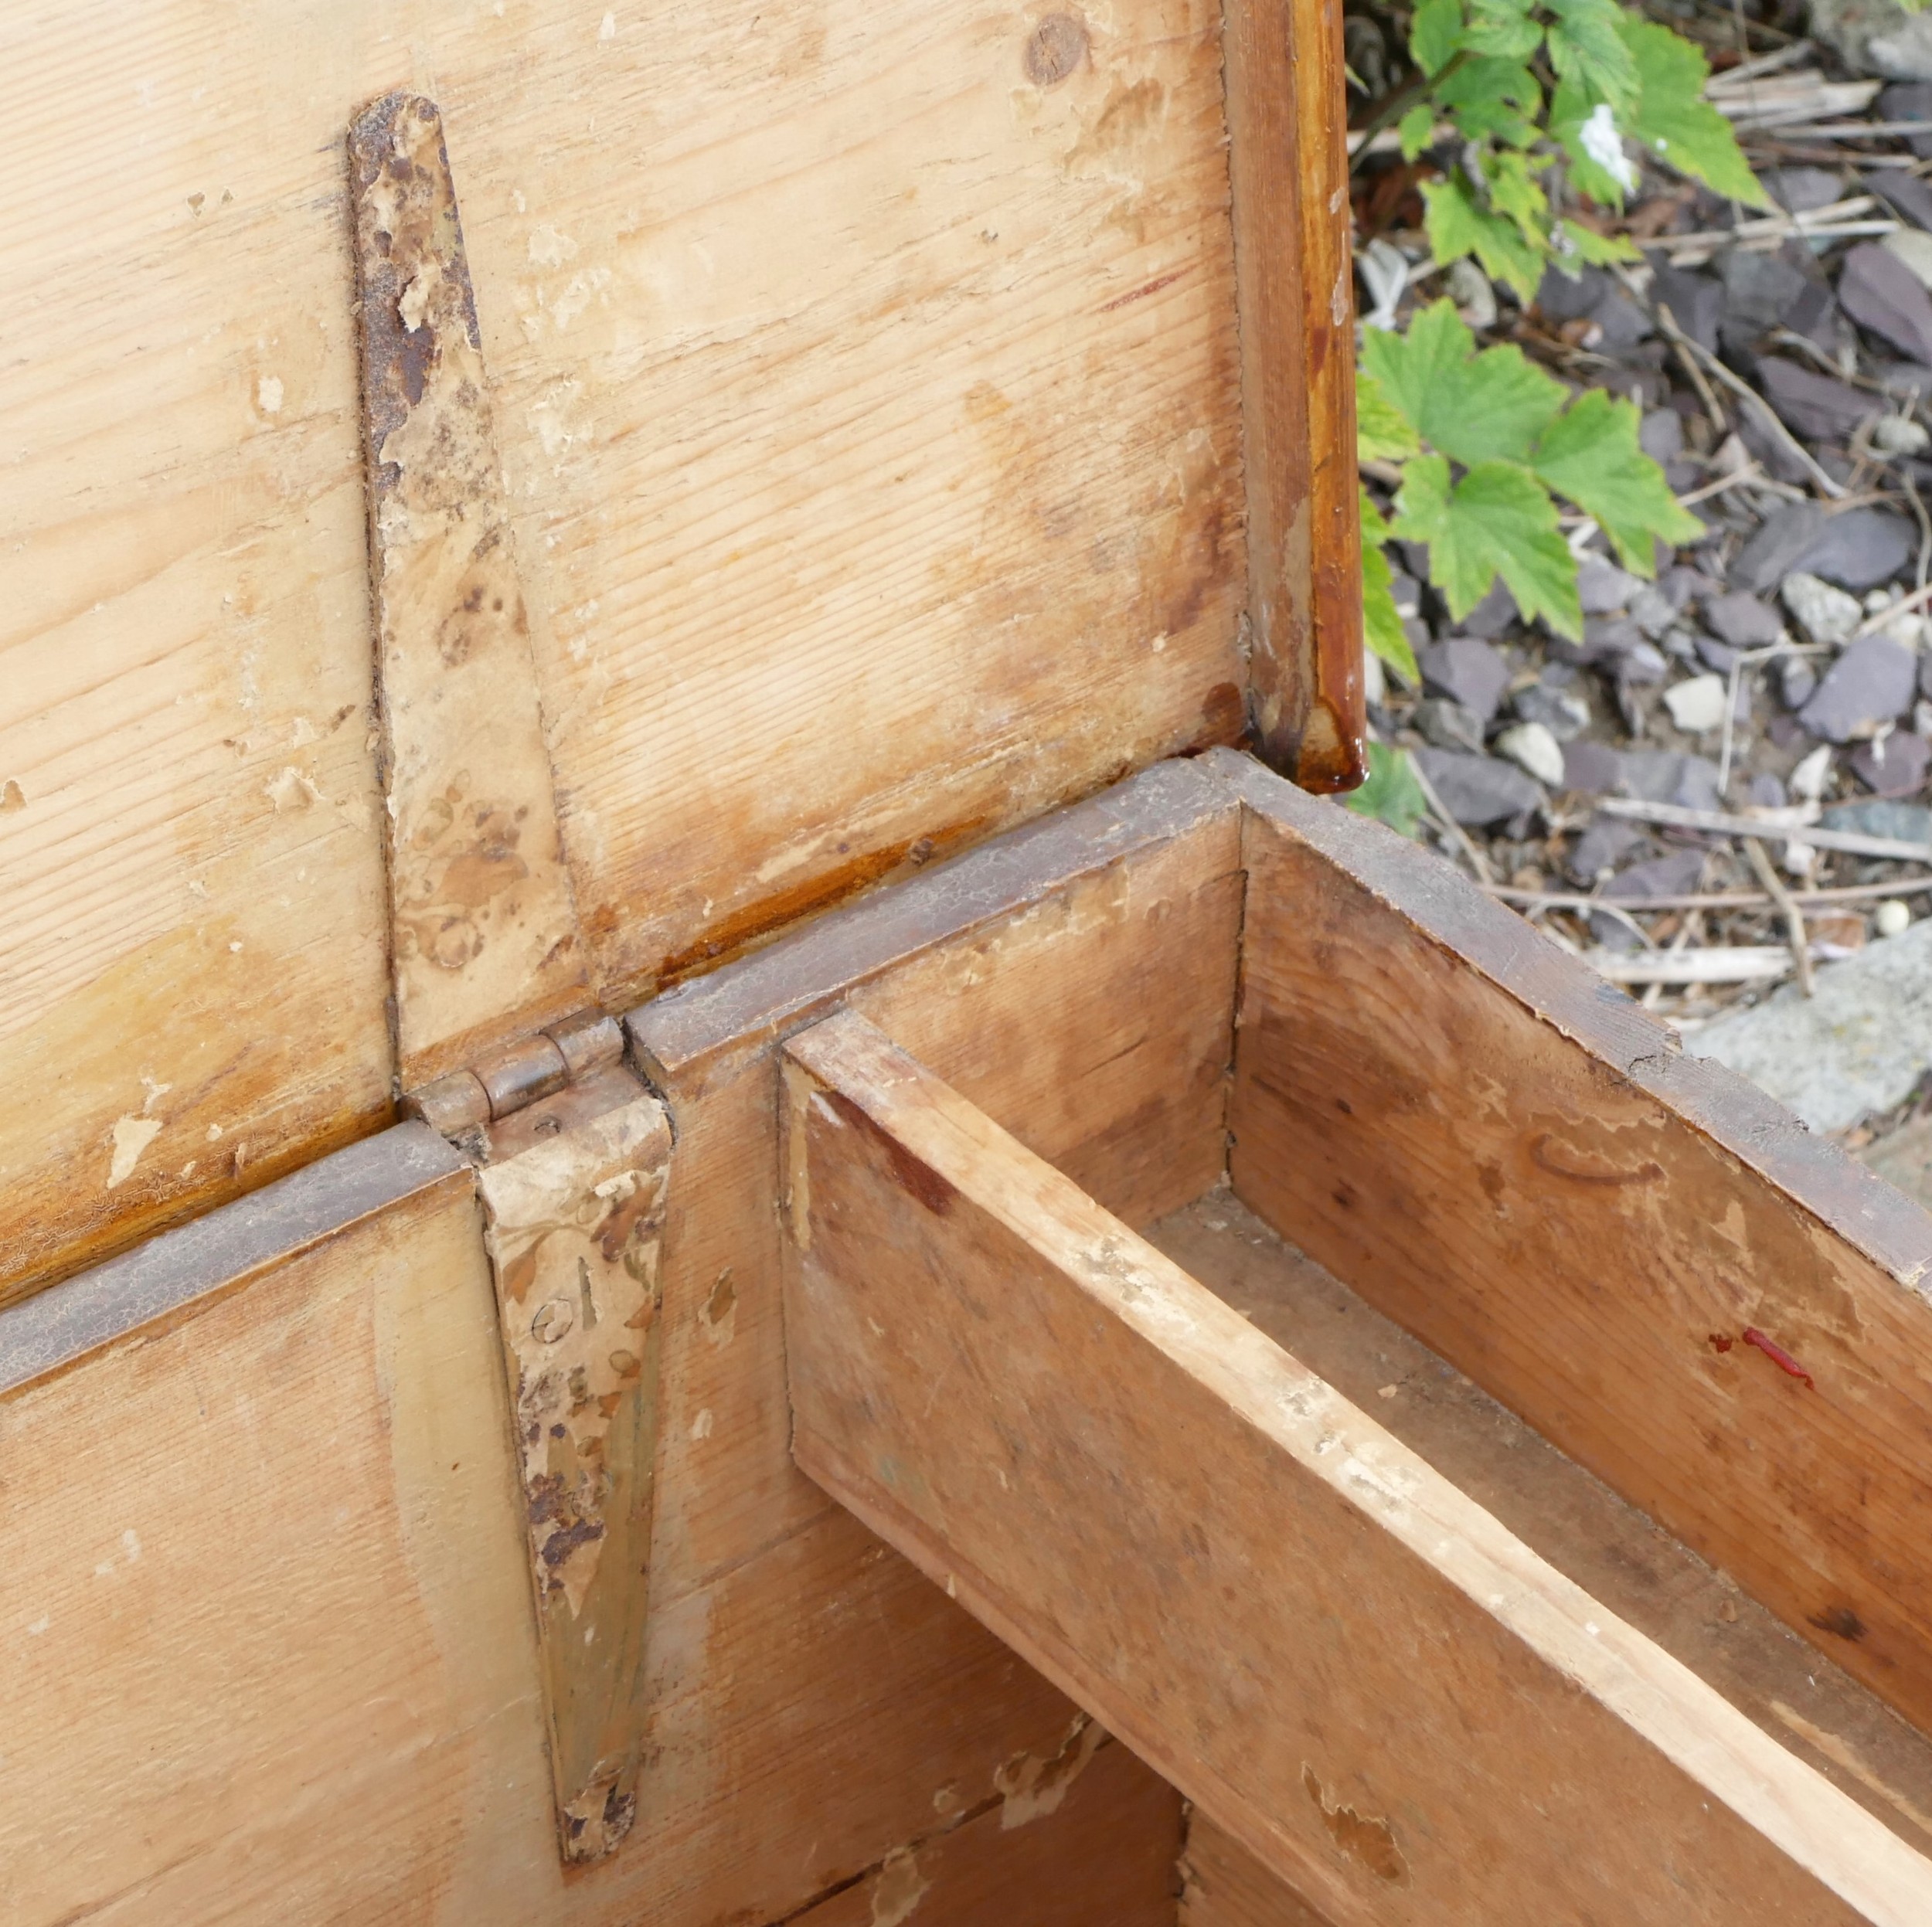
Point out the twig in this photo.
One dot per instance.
(1732, 78)
(1905, 604)
(1477, 861)
(1681, 342)
(1712, 900)
(1779, 432)
(1398, 104)
(1730, 722)
(1793, 917)
(1722, 963)
(1925, 525)
(1723, 823)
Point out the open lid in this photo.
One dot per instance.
(869, 382)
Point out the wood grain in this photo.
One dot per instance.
(870, 412)
(1095, 1847)
(1223, 1884)
(1378, 1688)
(483, 940)
(1511, 1160)
(1295, 274)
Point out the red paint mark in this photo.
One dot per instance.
(1778, 1355)
(1140, 293)
(1720, 1343)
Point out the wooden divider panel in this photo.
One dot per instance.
(1723, 1317)
(1317, 1637)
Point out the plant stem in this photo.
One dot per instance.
(1398, 104)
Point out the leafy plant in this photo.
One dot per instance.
(1540, 96)
(1428, 400)
(1390, 793)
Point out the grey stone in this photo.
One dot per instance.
(1663, 775)
(1679, 642)
(1448, 725)
(1744, 621)
(1904, 822)
(1855, 1049)
(1571, 297)
(1495, 615)
(1695, 301)
(1532, 748)
(1909, 101)
(1800, 189)
(1758, 289)
(1908, 194)
(1714, 655)
(1468, 671)
(1773, 552)
(1815, 406)
(1815, 314)
(1594, 768)
(1880, 292)
(1684, 584)
(1767, 791)
(1553, 704)
(1660, 436)
(1479, 790)
(1876, 37)
(1870, 684)
(1604, 844)
(1643, 664)
(1861, 548)
(1674, 874)
(1602, 586)
(1925, 675)
(1914, 249)
(1652, 611)
(1825, 615)
(1796, 680)
(1894, 767)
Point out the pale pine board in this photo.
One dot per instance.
(870, 420)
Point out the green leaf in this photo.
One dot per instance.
(1458, 224)
(1497, 520)
(1515, 191)
(1590, 454)
(1472, 407)
(1381, 627)
(1587, 46)
(1503, 29)
(1415, 127)
(1374, 529)
(1570, 109)
(1672, 119)
(1390, 793)
(1588, 248)
(1435, 34)
(1492, 99)
(1382, 432)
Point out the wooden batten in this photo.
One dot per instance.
(1295, 288)
(1313, 1633)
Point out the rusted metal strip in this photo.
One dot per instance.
(487, 946)
(573, 1196)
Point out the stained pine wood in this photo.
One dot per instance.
(1295, 275)
(1313, 1633)
(1094, 1848)
(1223, 1884)
(265, 1598)
(1788, 1690)
(1516, 1164)
(865, 384)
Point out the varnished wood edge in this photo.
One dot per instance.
(1600, 1019)
(1288, 166)
(46, 1334)
(808, 971)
